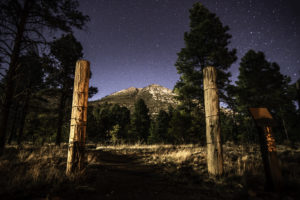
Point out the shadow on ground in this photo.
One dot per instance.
(113, 176)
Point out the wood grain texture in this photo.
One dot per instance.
(213, 128)
(75, 160)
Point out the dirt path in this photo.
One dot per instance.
(113, 176)
(114, 173)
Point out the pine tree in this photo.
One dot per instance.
(205, 59)
(261, 84)
(159, 128)
(179, 126)
(140, 122)
(30, 81)
(107, 120)
(65, 51)
(120, 117)
(205, 45)
(22, 23)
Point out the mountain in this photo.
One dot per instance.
(155, 96)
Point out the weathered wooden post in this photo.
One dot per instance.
(263, 120)
(75, 160)
(213, 135)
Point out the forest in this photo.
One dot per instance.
(36, 89)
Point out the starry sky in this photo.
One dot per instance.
(134, 42)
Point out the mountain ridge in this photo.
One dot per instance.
(156, 97)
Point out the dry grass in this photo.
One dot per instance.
(237, 158)
(30, 169)
(242, 163)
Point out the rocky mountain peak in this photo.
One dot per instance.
(126, 91)
(155, 96)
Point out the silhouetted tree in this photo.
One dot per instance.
(261, 84)
(108, 122)
(66, 51)
(179, 127)
(121, 118)
(140, 122)
(159, 129)
(104, 122)
(30, 79)
(206, 44)
(23, 23)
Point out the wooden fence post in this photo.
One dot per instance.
(213, 128)
(75, 160)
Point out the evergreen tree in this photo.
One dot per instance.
(104, 122)
(196, 132)
(159, 129)
(108, 122)
(121, 119)
(260, 84)
(29, 82)
(140, 122)
(66, 51)
(205, 45)
(22, 23)
(179, 127)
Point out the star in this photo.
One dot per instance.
(127, 37)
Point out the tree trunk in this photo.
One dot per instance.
(9, 85)
(22, 123)
(212, 115)
(75, 158)
(284, 124)
(235, 128)
(14, 125)
(61, 112)
(298, 93)
(285, 129)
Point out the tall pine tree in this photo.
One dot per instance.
(206, 44)
(261, 84)
(205, 57)
(66, 51)
(140, 122)
(22, 22)
(159, 129)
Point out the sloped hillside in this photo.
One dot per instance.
(155, 96)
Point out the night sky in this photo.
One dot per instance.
(134, 42)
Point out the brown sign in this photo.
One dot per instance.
(262, 117)
(260, 113)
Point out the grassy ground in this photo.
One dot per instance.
(143, 172)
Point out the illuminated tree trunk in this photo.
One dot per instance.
(75, 158)
(213, 137)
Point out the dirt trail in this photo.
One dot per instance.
(114, 176)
